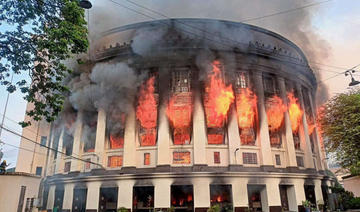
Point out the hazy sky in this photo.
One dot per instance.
(332, 27)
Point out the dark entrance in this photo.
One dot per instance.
(310, 193)
(325, 193)
(108, 199)
(79, 200)
(59, 197)
(143, 198)
(284, 197)
(254, 194)
(182, 198)
(221, 195)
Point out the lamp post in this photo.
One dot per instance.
(353, 81)
(86, 4)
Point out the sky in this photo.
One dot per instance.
(333, 28)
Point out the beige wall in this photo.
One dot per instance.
(352, 184)
(10, 187)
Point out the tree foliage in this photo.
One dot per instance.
(37, 37)
(340, 122)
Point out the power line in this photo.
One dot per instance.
(339, 74)
(50, 148)
(202, 30)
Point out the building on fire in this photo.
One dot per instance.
(225, 115)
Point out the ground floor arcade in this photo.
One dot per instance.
(185, 193)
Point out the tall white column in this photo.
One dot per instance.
(129, 140)
(320, 151)
(75, 164)
(162, 192)
(92, 197)
(305, 139)
(51, 159)
(51, 197)
(264, 137)
(201, 192)
(240, 192)
(125, 196)
(199, 130)
(59, 166)
(289, 143)
(234, 138)
(163, 153)
(68, 196)
(318, 192)
(299, 190)
(100, 136)
(273, 192)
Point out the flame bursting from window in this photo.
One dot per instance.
(275, 109)
(295, 112)
(218, 98)
(179, 112)
(246, 108)
(146, 112)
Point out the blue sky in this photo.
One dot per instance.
(337, 22)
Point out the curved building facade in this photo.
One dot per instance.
(225, 115)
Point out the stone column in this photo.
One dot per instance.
(51, 198)
(201, 193)
(291, 194)
(92, 197)
(289, 143)
(59, 166)
(68, 196)
(129, 140)
(164, 140)
(299, 191)
(234, 138)
(321, 153)
(75, 164)
(304, 133)
(318, 192)
(51, 159)
(273, 194)
(125, 195)
(100, 137)
(199, 130)
(162, 193)
(240, 193)
(263, 135)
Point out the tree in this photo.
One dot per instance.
(40, 35)
(340, 123)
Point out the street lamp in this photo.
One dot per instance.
(353, 81)
(86, 4)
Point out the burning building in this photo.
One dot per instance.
(188, 114)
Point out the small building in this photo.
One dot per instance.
(18, 191)
(352, 183)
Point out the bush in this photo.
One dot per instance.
(346, 198)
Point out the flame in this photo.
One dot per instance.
(218, 98)
(146, 112)
(116, 142)
(189, 198)
(179, 112)
(311, 124)
(275, 109)
(295, 112)
(246, 108)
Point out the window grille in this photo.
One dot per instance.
(300, 161)
(146, 158)
(249, 158)
(115, 161)
(278, 160)
(216, 157)
(67, 166)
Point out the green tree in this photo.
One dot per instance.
(37, 36)
(340, 123)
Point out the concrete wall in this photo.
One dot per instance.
(10, 187)
(352, 184)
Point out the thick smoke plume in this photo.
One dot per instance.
(296, 25)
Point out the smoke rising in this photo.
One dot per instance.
(296, 25)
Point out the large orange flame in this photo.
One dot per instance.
(246, 108)
(146, 112)
(218, 98)
(295, 112)
(275, 109)
(179, 112)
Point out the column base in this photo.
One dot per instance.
(241, 209)
(275, 208)
(201, 209)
